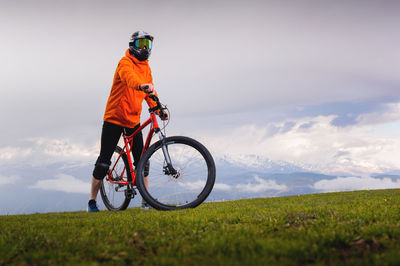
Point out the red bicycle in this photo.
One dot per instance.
(174, 173)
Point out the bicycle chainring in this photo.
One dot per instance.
(130, 193)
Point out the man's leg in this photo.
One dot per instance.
(94, 190)
(109, 139)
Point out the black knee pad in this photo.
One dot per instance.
(147, 168)
(100, 170)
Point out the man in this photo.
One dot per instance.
(132, 84)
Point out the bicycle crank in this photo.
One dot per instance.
(130, 193)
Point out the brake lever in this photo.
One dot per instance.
(162, 113)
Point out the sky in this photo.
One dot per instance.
(314, 83)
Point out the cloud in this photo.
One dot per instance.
(261, 185)
(42, 151)
(63, 148)
(356, 183)
(391, 114)
(335, 57)
(9, 180)
(199, 184)
(222, 186)
(12, 153)
(64, 183)
(315, 144)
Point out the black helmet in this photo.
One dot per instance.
(136, 47)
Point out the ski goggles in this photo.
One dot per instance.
(142, 43)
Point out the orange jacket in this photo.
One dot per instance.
(125, 102)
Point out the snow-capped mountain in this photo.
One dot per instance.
(60, 186)
(247, 176)
(257, 163)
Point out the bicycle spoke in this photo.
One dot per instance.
(113, 194)
(187, 185)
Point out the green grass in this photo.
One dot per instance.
(361, 228)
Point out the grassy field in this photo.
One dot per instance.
(360, 227)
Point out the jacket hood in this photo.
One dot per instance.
(135, 60)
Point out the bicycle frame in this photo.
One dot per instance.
(128, 147)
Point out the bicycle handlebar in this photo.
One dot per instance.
(154, 98)
(159, 106)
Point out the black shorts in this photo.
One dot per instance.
(109, 139)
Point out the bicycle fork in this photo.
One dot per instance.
(168, 169)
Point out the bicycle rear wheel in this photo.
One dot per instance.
(116, 196)
(191, 182)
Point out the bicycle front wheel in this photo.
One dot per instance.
(186, 184)
(115, 196)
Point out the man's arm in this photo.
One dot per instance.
(127, 75)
